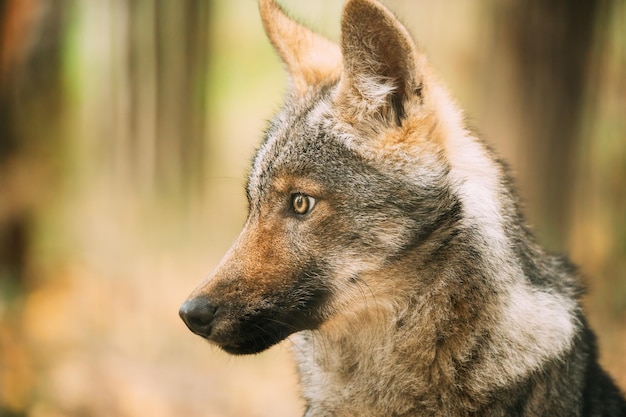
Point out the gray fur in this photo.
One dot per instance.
(412, 287)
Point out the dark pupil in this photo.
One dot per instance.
(300, 204)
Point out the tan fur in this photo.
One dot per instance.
(286, 184)
(310, 58)
(369, 80)
(413, 288)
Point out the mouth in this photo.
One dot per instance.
(247, 325)
(241, 332)
(243, 349)
(251, 336)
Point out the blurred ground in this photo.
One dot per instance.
(132, 189)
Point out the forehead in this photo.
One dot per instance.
(300, 142)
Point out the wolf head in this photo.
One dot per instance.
(349, 179)
(365, 184)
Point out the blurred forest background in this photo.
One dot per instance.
(126, 130)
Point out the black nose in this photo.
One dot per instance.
(198, 314)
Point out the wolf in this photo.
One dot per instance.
(386, 241)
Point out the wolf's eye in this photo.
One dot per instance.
(302, 203)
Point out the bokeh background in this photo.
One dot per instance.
(126, 130)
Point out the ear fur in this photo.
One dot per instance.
(310, 58)
(380, 71)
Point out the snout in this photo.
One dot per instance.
(198, 313)
(257, 296)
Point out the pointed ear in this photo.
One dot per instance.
(380, 73)
(310, 58)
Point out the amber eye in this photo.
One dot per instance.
(302, 203)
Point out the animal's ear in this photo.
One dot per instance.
(380, 67)
(310, 58)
